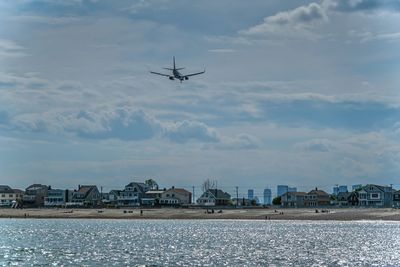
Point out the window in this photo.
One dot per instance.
(375, 195)
(3, 195)
(11, 195)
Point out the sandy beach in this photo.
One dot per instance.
(345, 214)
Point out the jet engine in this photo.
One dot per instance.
(186, 78)
(171, 78)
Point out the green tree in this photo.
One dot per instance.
(152, 184)
(276, 201)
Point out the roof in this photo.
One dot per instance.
(36, 187)
(155, 191)
(5, 189)
(84, 189)
(218, 193)
(379, 187)
(115, 192)
(18, 191)
(142, 186)
(178, 190)
(318, 192)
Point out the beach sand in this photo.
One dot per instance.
(344, 214)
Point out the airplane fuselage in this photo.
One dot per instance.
(179, 76)
(176, 74)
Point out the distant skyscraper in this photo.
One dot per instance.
(340, 189)
(250, 194)
(282, 189)
(267, 196)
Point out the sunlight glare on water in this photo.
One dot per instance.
(198, 243)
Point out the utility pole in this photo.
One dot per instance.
(237, 196)
(391, 195)
(193, 194)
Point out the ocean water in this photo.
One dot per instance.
(56, 242)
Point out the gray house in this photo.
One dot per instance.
(176, 196)
(214, 197)
(34, 195)
(396, 199)
(342, 199)
(9, 196)
(57, 197)
(132, 194)
(375, 196)
(293, 199)
(86, 196)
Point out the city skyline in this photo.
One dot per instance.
(297, 93)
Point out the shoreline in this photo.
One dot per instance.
(342, 214)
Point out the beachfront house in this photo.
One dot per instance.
(34, 195)
(85, 196)
(341, 199)
(396, 199)
(176, 196)
(293, 199)
(241, 202)
(373, 195)
(316, 198)
(352, 199)
(132, 194)
(214, 197)
(152, 197)
(9, 196)
(57, 197)
(112, 198)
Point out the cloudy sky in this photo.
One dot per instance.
(295, 92)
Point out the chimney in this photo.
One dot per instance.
(173, 187)
(316, 189)
(79, 187)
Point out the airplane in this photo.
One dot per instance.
(176, 74)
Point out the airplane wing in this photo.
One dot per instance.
(166, 75)
(193, 74)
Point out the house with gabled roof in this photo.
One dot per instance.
(86, 196)
(132, 194)
(9, 196)
(372, 195)
(34, 195)
(214, 197)
(176, 196)
(293, 199)
(316, 198)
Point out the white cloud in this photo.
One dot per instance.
(222, 50)
(10, 48)
(364, 5)
(302, 18)
(184, 131)
(241, 141)
(315, 145)
(367, 36)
